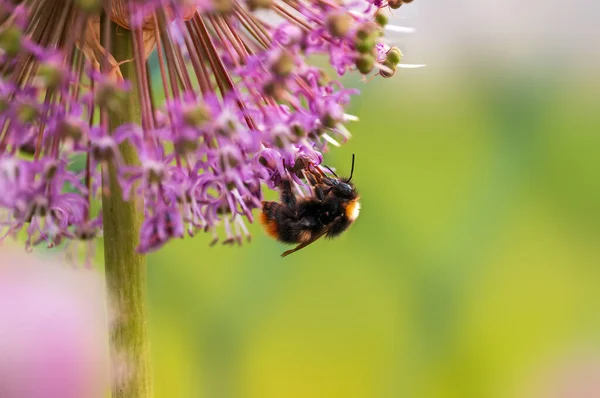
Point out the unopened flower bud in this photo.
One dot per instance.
(275, 89)
(222, 6)
(51, 75)
(394, 55)
(368, 30)
(381, 18)
(10, 41)
(27, 113)
(197, 115)
(339, 24)
(70, 129)
(111, 97)
(184, 145)
(365, 63)
(395, 4)
(365, 46)
(283, 65)
(254, 5)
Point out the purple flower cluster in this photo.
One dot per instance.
(243, 108)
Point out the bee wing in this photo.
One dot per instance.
(304, 244)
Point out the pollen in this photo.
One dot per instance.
(353, 209)
(304, 236)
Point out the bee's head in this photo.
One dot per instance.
(342, 187)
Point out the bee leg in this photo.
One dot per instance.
(321, 172)
(287, 196)
(295, 249)
(319, 193)
(311, 178)
(302, 245)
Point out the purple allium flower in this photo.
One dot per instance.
(243, 108)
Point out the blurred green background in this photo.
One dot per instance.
(473, 268)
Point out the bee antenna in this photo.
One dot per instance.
(352, 169)
(332, 172)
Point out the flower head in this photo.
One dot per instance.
(243, 107)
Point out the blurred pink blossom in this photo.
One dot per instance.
(53, 330)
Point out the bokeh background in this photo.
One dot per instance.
(473, 270)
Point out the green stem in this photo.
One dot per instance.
(125, 268)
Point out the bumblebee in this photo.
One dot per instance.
(329, 211)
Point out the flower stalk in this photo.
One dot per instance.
(125, 267)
